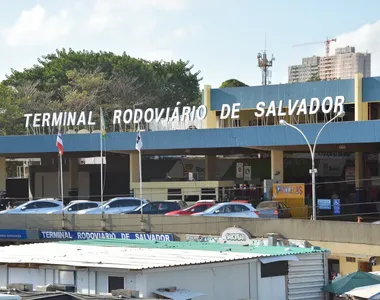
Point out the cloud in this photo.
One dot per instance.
(109, 14)
(34, 27)
(364, 39)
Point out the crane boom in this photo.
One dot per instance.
(326, 42)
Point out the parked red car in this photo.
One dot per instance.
(199, 206)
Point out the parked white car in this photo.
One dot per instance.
(76, 206)
(115, 206)
(41, 206)
(230, 209)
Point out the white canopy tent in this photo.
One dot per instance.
(370, 292)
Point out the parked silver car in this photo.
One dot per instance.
(230, 209)
(115, 206)
(76, 206)
(41, 206)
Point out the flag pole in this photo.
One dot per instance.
(101, 160)
(59, 144)
(60, 162)
(101, 172)
(138, 148)
(140, 170)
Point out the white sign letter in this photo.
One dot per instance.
(260, 107)
(116, 117)
(338, 104)
(271, 109)
(225, 111)
(37, 120)
(235, 111)
(314, 106)
(281, 112)
(138, 115)
(27, 116)
(327, 105)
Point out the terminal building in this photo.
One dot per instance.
(234, 146)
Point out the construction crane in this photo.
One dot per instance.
(326, 42)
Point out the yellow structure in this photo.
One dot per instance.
(293, 196)
(211, 119)
(277, 165)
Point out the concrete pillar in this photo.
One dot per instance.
(134, 167)
(359, 169)
(361, 108)
(211, 120)
(3, 173)
(73, 177)
(277, 165)
(210, 167)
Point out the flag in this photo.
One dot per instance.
(139, 142)
(102, 124)
(59, 143)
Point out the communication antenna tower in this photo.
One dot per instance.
(264, 64)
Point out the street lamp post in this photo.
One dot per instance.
(313, 170)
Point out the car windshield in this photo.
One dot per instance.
(267, 204)
(212, 208)
(139, 207)
(109, 201)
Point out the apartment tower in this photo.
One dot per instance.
(343, 65)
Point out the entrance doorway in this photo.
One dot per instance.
(333, 267)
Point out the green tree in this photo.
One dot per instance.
(314, 77)
(232, 83)
(165, 82)
(11, 113)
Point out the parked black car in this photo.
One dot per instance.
(158, 208)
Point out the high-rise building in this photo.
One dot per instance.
(343, 65)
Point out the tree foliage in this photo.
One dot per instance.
(83, 80)
(232, 83)
(314, 77)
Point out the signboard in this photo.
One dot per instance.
(235, 235)
(85, 118)
(324, 204)
(239, 170)
(187, 113)
(13, 234)
(91, 235)
(247, 173)
(336, 206)
(300, 107)
(288, 191)
(331, 167)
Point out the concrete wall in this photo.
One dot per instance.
(322, 231)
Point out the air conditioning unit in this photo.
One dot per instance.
(61, 288)
(41, 288)
(25, 287)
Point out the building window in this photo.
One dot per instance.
(274, 269)
(115, 283)
(174, 194)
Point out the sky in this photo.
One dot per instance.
(220, 38)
